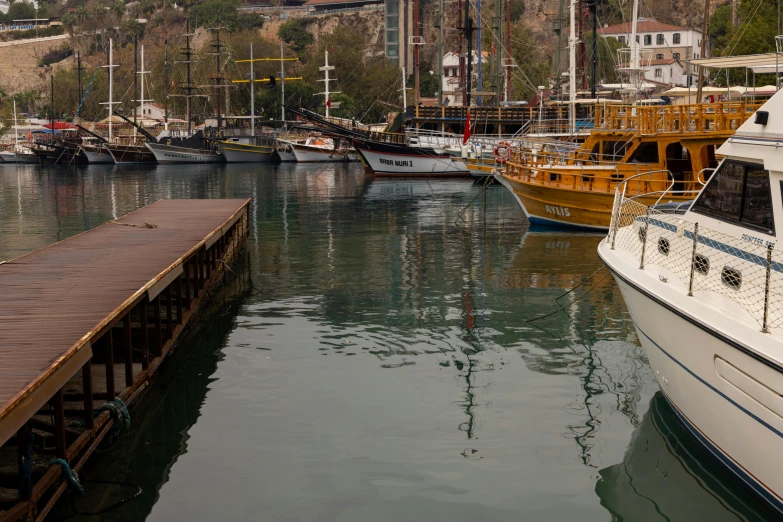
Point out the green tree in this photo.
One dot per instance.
(21, 11)
(69, 22)
(118, 10)
(753, 35)
(224, 13)
(294, 32)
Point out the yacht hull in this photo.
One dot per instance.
(13, 157)
(721, 390)
(286, 156)
(309, 154)
(400, 163)
(167, 154)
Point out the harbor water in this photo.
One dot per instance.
(386, 350)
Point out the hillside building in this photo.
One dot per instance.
(666, 49)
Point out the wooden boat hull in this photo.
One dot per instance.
(130, 154)
(245, 153)
(97, 155)
(562, 207)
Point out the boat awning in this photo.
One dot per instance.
(747, 61)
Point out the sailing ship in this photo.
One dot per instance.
(18, 154)
(172, 147)
(703, 286)
(663, 148)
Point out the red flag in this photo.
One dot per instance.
(329, 102)
(332, 47)
(467, 129)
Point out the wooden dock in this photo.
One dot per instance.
(88, 320)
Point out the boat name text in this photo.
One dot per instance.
(396, 163)
(558, 211)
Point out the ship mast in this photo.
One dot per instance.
(572, 68)
(110, 104)
(188, 87)
(141, 73)
(326, 68)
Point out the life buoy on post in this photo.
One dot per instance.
(501, 152)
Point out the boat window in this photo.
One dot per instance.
(663, 246)
(702, 264)
(739, 193)
(614, 150)
(731, 277)
(645, 153)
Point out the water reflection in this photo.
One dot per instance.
(666, 475)
(382, 367)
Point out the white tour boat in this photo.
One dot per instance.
(704, 287)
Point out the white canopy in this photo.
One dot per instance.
(745, 61)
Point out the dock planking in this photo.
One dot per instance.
(55, 301)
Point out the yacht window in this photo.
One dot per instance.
(757, 200)
(646, 153)
(731, 277)
(663, 246)
(702, 264)
(739, 193)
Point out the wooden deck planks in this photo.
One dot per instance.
(53, 297)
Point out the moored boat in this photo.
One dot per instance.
(400, 159)
(317, 149)
(193, 149)
(703, 285)
(130, 153)
(238, 150)
(19, 155)
(173, 154)
(95, 152)
(564, 186)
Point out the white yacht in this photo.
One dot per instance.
(704, 287)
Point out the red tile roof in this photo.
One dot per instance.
(643, 26)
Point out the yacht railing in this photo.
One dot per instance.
(700, 261)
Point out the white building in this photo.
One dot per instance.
(449, 80)
(151, 111)
(666, 49)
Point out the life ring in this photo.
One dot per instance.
(501, 152)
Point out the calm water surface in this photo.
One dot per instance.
(372, 360)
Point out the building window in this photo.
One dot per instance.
(637, 38)
(658, 73)
(676, 38)
(676, 56)
(648, 39)
(659, 57)
(659, 39)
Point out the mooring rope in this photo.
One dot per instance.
(70, 475)
(119, 411)
(137, 225)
